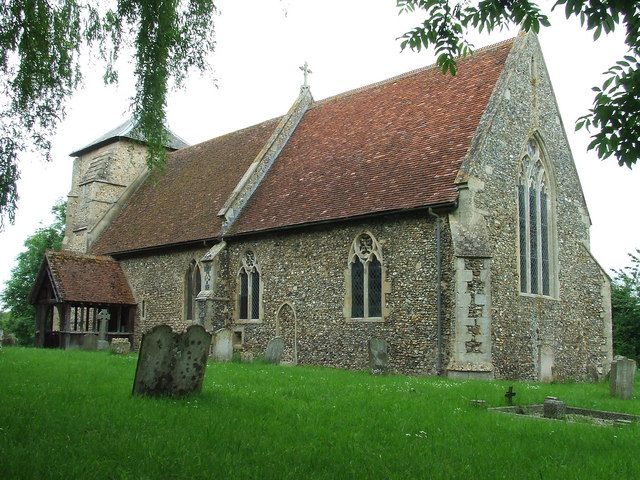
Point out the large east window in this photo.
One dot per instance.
(534, 224)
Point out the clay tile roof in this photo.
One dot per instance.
(88, 278)
(390, 146)
(182, 204)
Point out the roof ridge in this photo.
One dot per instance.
(232, 132)
(406, 74)
(72, 253)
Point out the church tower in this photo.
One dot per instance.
(105, 173)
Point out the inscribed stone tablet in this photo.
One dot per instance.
(378, 355)
(223, 345)
(192, 351)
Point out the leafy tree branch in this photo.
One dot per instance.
(615, 114)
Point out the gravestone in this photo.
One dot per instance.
(89, 341)
(275, 347)
(1, 337)
(378, 356)
(120, 346)
(622, 377)
(103, 318)
(554, 408)
(171, 363)
(223, 345)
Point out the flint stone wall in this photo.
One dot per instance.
(158, 279)
(307, 270)
(575, 323)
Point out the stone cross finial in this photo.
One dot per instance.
(305, 68)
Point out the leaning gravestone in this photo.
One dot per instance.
(171, 363)
(378, 356)
(622, 377)
(223, 345)
(89, 341)
(273, 353)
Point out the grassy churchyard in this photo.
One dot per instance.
(69, 414)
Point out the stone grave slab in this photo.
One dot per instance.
(172, 364)
(378, 355)
(223, 345)
(89, 341)
(622, 377)
(275, 348)
(120, 346)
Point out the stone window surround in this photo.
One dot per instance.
(193, 269)
(550, 186)
(248, 269)
(385, 287)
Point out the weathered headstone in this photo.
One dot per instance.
(275, 347)
(554, 408)
(89, 341)
(223, 345)
(120, 346)
(1, 337)
(171, 363)
(378, 356)
(103, 318)
(622, 377)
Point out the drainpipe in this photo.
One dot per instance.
(440, 360)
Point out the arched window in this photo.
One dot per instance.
(192, 287)
(249, 291)
(365, 265)
(534, 223)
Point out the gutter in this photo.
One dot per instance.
(439, 342)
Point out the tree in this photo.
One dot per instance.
(625, 301)
(15, 295)
(615, 114)
(41, 42)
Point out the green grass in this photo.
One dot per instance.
(70, 415)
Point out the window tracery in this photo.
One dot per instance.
(534, 214)
(249, 288)
(365, 264)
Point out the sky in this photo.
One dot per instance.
(348, 44)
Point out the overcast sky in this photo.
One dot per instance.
(261, 44)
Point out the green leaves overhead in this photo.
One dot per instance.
(40, 45)
(615, 116)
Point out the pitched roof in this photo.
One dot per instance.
(127, 130)
(93, 279)
(182, 203)
(390, 146)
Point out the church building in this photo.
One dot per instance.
(441, 215)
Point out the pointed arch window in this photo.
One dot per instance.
(192, 287)
(249, 295)
(534, 216)
(365, 298)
